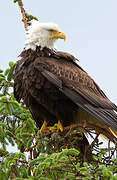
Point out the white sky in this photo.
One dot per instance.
(90, 27)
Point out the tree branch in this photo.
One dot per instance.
(23, 12)
(26, 18)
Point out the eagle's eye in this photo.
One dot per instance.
(52, 30)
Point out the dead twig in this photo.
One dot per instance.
(96, 138)
(26, 18)
(23, 12)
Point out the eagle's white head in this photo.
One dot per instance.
(43, 35)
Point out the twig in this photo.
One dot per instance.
(89, 126)
(23, 161)
(96, 138)
(72, 163)
(32, 147)
(26, 18)
(23, 119)
(31, 154)
(23, 12)
(17, 139)
(109, 149)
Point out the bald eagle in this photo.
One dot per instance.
(56, 89)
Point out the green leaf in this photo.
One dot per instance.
(35, 18)
(9, 109)
(11, 64)
(10, 75)
(8, 133)
(1, 71)
(74, 152)
(83, 169)
(25, 135)
(34, 161)
(44, 178)
(6, 71)
(15, 1)
(40, 159)
(70, 176)
(4, 125)
(107, 173)
(2, 78)
(18, 130)
(39, 133)
(2, 109)
(24, 172)
(4, 99)
(1, 75)
(15, 103)
(31, 122)
(29, 143)
(3, 152)
(85, 164)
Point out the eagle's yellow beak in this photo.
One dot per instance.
(58, 35)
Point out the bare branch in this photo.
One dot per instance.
(23, 12)
(26, 18)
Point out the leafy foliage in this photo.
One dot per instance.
(41, 156)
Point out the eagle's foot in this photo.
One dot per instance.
(60, 126)
(44, 126)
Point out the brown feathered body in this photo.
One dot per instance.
(54, 87)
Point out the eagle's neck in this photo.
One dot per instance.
(40, 40)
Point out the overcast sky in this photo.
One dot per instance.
(90, 27)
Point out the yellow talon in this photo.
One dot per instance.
(44, 126)
(51, 128)
(60, 127)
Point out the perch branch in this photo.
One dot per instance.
(88, 127)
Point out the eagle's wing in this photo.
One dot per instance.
(77, 85)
